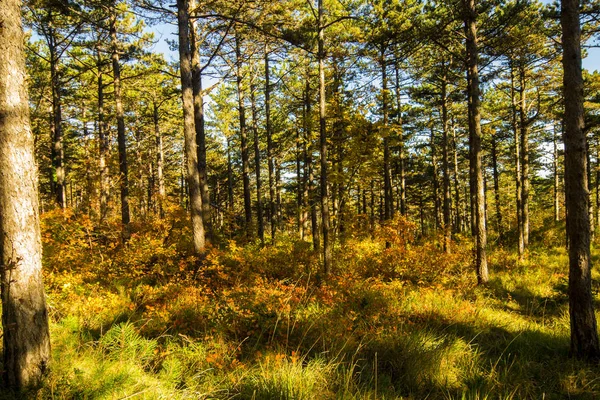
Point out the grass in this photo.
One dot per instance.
(148, 321)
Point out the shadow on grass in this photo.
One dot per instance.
(528, 303)
(439, 358)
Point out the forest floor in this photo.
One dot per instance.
(148, 321)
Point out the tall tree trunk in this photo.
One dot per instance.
(421, 213)
(278, 189)
(518, 179)
(372, 208)
(229, 177)
(103, 143)
(524, 125)
(299, 185)
(151, 184)
(402, 183)
(305, 141)
(199, 125)
(85, 195)
(472, 178)
(388, 203)
(160, 162)
(470, 11)
(313, 198)
(597, 184)
(58, 151)
(323, 141)
(556, 176)
(123, 175)
(337, 162)
(447, 227)
(497, 188)
(270, 147)
(584, 333)
(259, 207)
(387, 179)
(243, 135)
(459, 221)
(24, 315)
(434, 166)
(189, 130)
(590, 189)
(140, 173)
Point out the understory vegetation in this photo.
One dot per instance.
(148, 321)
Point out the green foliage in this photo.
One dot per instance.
(123, 342)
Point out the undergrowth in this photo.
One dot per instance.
(147, 320)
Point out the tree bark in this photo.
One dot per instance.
(230, 205)
(312, 193)
(58, 151)
(123, 174)
(103, 142)
(597, 216)
(524, 127)
(584, 333)
(387, 179)
(590, 189)
(459, 220)
(160, 162)
(447, 224)
(305, 175)
(270, 149)
(434, 180)
(402, 177)
(556, 176)
(199, 125)
(299, 185)
(518, 180)
(24, 315)
(243, 135)
(259, 206)
(496, 178)
(323, 141)
(473, 90)
(189, 130)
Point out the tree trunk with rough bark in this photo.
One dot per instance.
(556, 176)
(259, 206)
(199, 125)
(434, 166)
(270, 147)
(524, 127)
(160, 162)
(24, 315)
(243, 135)
(122, 144)
(402, 173)
(387, 179)
(189, 130)
(327, 256)
(518, 180)
(103, 142)
(447, 222)
(312, 196)
(470, 14)
(459, 220)
(230, 205)
(58, 151)
(496, 177)
(584, 332)
(299, 185)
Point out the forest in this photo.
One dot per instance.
(299, 199)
